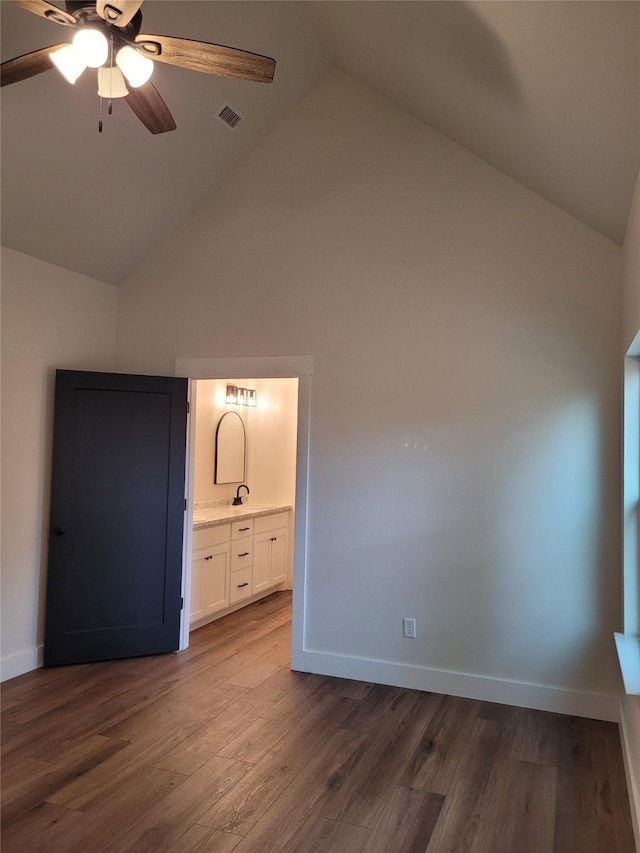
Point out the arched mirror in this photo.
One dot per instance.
(230, 449)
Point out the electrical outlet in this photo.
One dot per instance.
(409, 628)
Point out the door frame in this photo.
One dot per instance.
(298, 367)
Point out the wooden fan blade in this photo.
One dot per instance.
(210, 58)
(118, 12)
(48, 11)
(147, 104)
(27, 65)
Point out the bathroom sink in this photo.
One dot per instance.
(251, 507)
(245, 508)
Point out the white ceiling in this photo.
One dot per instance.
(548, 92)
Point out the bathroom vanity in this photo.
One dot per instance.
(240, 554)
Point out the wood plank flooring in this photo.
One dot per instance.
(223, 748)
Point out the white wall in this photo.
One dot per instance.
(271, 458)
(270, 430)
(51, 318)
(209, 409)
(465, 405)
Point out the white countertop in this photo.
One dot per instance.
(212, 516)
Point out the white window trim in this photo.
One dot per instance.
(628, 642)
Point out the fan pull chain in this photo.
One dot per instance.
(100, 117)
(111, 75)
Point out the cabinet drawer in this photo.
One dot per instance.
(240, 529)
(207, 536)
(270, 522)
(241, 554)
(240, 585)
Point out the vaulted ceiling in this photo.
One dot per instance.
(547, 92)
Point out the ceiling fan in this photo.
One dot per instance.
(107, 37)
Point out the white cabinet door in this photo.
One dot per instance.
(261, 562)
(215, 579)
(269, 559)
(196, 609)
(279, 556)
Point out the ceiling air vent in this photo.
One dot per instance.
(227, 115)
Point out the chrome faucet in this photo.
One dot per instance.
(237, 501)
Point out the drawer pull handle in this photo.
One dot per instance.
(242, 529)
(240, 585)
(273, 539)
(244, 554)
(210, 557)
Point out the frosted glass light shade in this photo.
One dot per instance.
(91, 46)
(68, 62)
(111, 83)
(135, 67)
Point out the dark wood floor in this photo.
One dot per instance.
(222, 747)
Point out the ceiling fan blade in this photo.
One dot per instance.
(118, 12)
(48, 11)
(147, 104)
(27, 65)
(210, 58)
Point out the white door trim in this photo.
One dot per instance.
(298, 367)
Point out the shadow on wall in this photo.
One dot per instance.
(428, 38)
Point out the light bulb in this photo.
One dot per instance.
(91, 46)
(68, 62)
(135, 67)
(111, 83)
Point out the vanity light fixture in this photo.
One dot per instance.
(241, 396)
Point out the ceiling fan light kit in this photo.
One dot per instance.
(68, 62)
(111, 83)
(136, 68)
(91, 46)
(106, 30)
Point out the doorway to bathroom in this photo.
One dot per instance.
(277, 452)
(265, 461)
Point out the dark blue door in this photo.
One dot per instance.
(117, 513)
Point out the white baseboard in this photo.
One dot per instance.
(633, 774)
(597, 706)
(21, 662)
